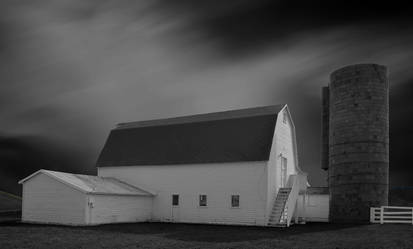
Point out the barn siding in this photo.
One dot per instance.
(119, 208)
(283, 143)
(47, 200)
(316, 207)
(218, 181)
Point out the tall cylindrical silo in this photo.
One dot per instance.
(358, 141)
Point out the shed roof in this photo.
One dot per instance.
(93, 184)
(230, 136)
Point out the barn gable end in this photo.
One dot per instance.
(47, 200)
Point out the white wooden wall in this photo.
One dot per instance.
(316, 207)
(218, 181)
(119, 208)
(283, 144)
(47, 200)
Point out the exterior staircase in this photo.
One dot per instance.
(278, 217)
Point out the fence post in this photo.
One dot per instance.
(381, 215)
(371, 215)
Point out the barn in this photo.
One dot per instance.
(72, 199)
(235, 167)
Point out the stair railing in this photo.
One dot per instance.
(296, 183)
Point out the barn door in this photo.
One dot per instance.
(175, 208)
(283, 172)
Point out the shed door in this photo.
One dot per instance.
(175, 207)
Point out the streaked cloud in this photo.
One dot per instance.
(71, 70)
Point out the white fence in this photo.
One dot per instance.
(391, 214)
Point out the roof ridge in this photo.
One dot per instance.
(91, 184)
(130, 185)
(205, 117)
(61, 172)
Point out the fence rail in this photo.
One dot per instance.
(391, 214)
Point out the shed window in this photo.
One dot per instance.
(202, 200)
(234, 200)
(175, 200)
(284, 117)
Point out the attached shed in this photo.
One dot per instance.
(73, 199)
(314, 204)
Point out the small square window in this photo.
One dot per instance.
(175, 200)
(202, 200)
(234, 200)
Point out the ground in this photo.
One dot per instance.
(164, 235)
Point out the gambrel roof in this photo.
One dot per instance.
(92, 184)
(230, 136)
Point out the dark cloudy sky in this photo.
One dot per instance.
(71, 69)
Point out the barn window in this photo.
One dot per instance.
(234, 201)
(202, 200)
(175, 200)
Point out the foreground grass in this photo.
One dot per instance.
(162, 235)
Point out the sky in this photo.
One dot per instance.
(70, 70)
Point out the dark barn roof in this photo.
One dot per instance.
(230, 136)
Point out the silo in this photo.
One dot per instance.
(358, 141)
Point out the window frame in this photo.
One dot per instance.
(239, 201)
(199, 201)
(173, 205)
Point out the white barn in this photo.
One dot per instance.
(235, 167)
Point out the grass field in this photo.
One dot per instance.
(163, 235)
